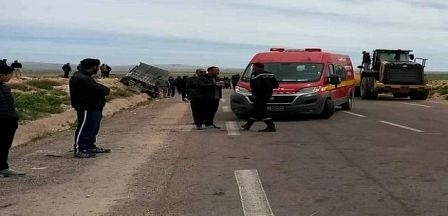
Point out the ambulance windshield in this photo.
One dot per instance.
(291, 72)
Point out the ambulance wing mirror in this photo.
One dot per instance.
(411, 56)
(360, 66)
(334, 79)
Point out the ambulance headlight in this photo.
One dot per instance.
(242, 91)
(310, 90)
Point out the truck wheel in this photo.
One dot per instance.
(400, 95)
(349, 104)
(420, 95)
(328, 110)
(367, 88)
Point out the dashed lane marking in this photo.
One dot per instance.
(232, 128)
(226, 109)
(416, 104)
(354, 114)
(402, 126)
(253, 196)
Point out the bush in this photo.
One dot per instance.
(118, 93)
(443, 90)
(43, 84)
(38, 104)
(20, 87)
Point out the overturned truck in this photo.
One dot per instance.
(143, 78)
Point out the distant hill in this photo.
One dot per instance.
(39, 67)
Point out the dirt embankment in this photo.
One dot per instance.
(31, 130)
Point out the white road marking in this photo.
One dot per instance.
(39, 168)
(355, 114)
(226, 109)
(402, 126)
(253, 196)
(416, 104)
(223, 100)
(232, 128)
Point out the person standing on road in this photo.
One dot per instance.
(262, 84)
(67, 69)
(181, 85)
(172, 86)
(17, 68)
(235, 78)
(9, 121)
(212, 87)
(196, 97)
(88, 99)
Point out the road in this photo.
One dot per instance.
(384, 157)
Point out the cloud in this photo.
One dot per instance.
(236, 29)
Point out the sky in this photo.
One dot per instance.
(226, 33)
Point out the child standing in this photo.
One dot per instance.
(9, 121)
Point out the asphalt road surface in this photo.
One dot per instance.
(385, 157)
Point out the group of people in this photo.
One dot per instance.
(88, 98)
(104, 68)
(204, 90)
(16, 66)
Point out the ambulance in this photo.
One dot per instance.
(311, 82)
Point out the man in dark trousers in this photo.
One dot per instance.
(88, 99)
(196, 97)
(212, 87)
(8, 121)
(67, 69)
(172, 86)
(261, 83)
(17, 68)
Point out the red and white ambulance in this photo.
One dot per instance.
(311, 82)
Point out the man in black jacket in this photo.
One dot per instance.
(196, 97)
(67, 69)
(8, 121)
(88, 99)
(212, 86)
(261, 83)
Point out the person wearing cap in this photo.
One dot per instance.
(88, 99)
(9, 121)
(262, 84)
(17, 68)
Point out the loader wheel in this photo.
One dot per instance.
(328, 110)
(367, 88)
(400, 95)
(420, 95)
